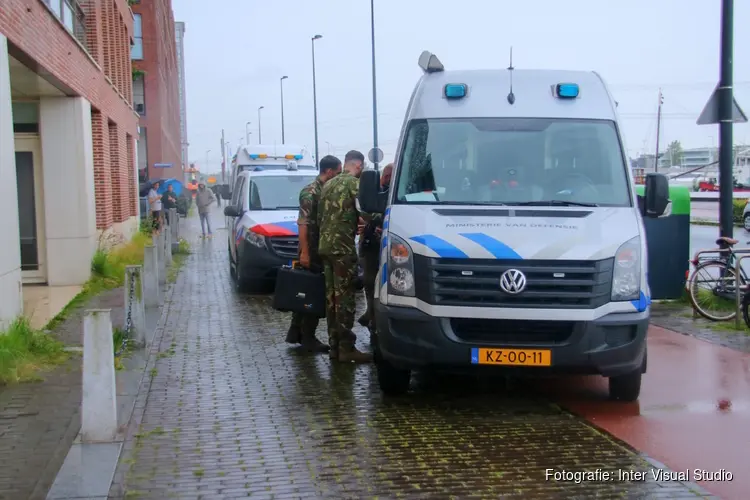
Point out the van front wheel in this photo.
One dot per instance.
(626, 387)
(393, 381)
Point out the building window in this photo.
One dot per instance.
(71, 14)
(136, 51)
(25, 117)
(139, 94)
(142, 150)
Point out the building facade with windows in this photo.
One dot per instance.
(67, 139)
(180, 41)
(156, 90)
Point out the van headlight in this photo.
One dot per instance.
(256, 239)
(626, 276)
(400, 267)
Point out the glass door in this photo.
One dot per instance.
(30, 209)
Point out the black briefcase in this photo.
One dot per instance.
(300, 290)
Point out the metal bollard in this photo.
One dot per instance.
(99, 403)
(168, 248)
(174, 224)
(152, 292)
(160, 258)
(135, 313)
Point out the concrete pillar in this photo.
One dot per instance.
(151, 290)
(68, 174)
(135, 304)
(174, 225)
(99, 403)
(11, 301)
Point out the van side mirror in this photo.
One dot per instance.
(232, 211)
(225, 192)
(369, 196)
(656, 195)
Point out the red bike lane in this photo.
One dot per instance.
(693, 413)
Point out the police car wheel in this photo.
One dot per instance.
(392, 381)
(232, 274)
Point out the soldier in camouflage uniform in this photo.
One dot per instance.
(302, 330)
(339, 217)
(369, 251)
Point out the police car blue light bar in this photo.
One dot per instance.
(253, 157)
(567, 90)
(455, 90)
(298, 157)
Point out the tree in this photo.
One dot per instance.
(674, 153)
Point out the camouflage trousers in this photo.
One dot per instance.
(370, 265)
(341, 273)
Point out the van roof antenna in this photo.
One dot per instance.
(511, 95)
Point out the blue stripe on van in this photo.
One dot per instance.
(497, 248)
(440, 246)
(384, 274)
(642, 302)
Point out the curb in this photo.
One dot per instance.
(116, 489)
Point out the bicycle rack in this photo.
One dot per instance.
(745, 253)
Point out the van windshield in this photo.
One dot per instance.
(513, 161)
(277, 192)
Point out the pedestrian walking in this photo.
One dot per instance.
(302, 329)
(154, 201)
(369, 252)
(203, 199)
(168, 201)
(339, 217)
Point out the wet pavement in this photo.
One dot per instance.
(230, 411)
(693, 413)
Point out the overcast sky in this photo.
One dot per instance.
(237, 50)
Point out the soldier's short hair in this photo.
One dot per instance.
(354, 155)
(329, 162)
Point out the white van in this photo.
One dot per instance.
(512, 236)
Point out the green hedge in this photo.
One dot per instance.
(738, 207)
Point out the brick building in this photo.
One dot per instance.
(67, 139)
(156, 84)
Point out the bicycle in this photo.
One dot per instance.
(718, 273)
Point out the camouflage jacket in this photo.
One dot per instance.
(338, 215)
(309, 199)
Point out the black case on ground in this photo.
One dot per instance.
(300, 290)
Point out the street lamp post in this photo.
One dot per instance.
(259, 130)
(206, 167)
(247, 132)
(374, 91)
(281, 85)
(315, 98)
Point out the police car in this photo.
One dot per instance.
(262, 218)
(262, 213)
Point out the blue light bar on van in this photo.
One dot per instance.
(298, 157)
(253, 157)
(567, 90)
(455, 90)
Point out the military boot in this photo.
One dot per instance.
(349, 354)
(364, 320)
(294, 335)
(311, 343)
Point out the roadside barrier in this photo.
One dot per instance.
(99, 402)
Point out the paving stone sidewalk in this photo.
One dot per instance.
(40, 420)
(231, 411)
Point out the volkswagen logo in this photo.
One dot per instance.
(513, 281)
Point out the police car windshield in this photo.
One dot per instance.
(513, 161)
(277, 192)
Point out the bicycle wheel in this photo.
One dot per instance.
(712, 290)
